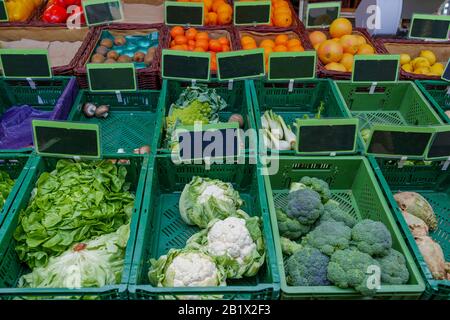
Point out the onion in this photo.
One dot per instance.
(102, 111)
(89, 109)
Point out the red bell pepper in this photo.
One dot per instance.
(55, 14)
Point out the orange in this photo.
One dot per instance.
(191, 43)
(225, 48)
(191, 33)
(208, 5)
(267, 43)
(366, 49)
(281, 39)
(340, 27)
(185, 47)
(349, 43)
(224, 8)
(282, 20)
(316, 46)
(202, 43)
(336, 39)
(177, 47)
(330, 51)
(334, 66)
(294, 43)
(191, 48)
(249, 46)
(280, 4)
(317, 37)
(176, 31)
(285, 10)
(214, 45)
(180, 40)
(172, 43)
(296, 49)
(212, 18)
(267, 51)
(247, 40)
(280, 48)
(202, 36)
(216, 4)
(347, 61)
(223, 41)
(361, 40)
(199, 49)
(223, 18)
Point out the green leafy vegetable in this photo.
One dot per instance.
(6, 185)
(75, 202)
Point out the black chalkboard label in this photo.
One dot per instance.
(325, 136)
(102, 11)
(446, 74)
(292, 65)
(66, 139)
(25, 63)
(185, 65)
(111, 77)
(252, 12)
(440, 146)
(211, 141)
(322, 14)
(243, 64)
(433, 27)
(3, 12)
(397, 143)
(376, 68)
(184, 13)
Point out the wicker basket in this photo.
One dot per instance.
(337, 75)
(50, 34)
(413, 48)
(29, 22)
(148, 78)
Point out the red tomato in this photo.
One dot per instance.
(73, 2)
(55, 14)
(61, 3)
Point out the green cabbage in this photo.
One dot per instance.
(75, 202)
(6, 185)
(96, 263)
(205, 199)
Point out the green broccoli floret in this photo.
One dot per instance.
(307, 267)
(372, 237)
(289, 247)
(289, 227)
(315, 184)
(351, 268)
(304, 205)
(328, 237)
(331, 211)
(393, 268)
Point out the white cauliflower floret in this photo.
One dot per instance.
(213, 191)
(231, 237)
(192, 269)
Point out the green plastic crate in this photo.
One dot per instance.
(16, 165)
(238, 98)
(434, 185)
(43, 97)
(161, 228)
(353, 184)
(11, 269)
(399, 104)
(303, 100)
(130, 123)
(437, 94)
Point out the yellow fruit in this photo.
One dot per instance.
(437, 69)
(347, 61)
(422, 70)
(334, 66)
(405, 58)
(407, 67)
(420, 62)
(429, 55)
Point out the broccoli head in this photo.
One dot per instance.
(329, 236)
(393, 268)
(351, 268)
(289, 247)
(331, 211)
(289, 227)
(304, 205)
(307, 267)
(372, 237)
(319, 186)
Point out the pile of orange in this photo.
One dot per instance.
(337, 53)
(199, 41)
(281, 14)
(280, 43)
(217, 12)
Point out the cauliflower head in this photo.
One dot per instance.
(205, 199)
(372, 237)
(307, 267)
(393, 268)
(329, 237)
(332, 211)
(185, 268)
(351, 268)
(235, 242)
(304, 205)
(289, 227)
(318, 185)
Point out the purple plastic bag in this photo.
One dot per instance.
(15, 126)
